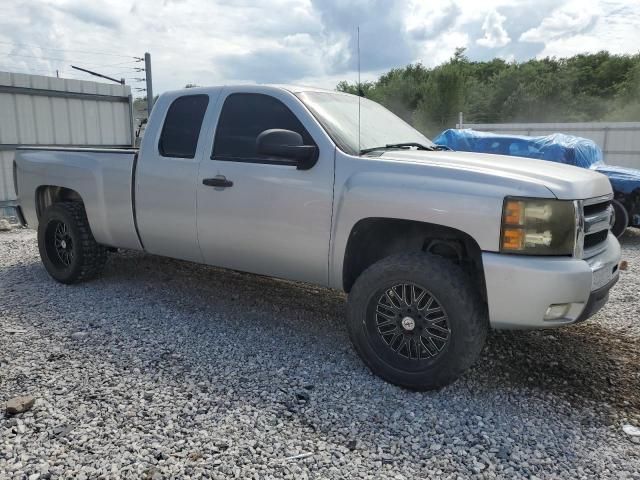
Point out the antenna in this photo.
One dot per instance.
(359, 86)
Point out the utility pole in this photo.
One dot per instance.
(147, 71)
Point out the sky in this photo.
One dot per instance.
(309, 42)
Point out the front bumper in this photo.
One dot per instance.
(520, 289)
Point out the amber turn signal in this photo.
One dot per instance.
(514, 212)
(513, 238)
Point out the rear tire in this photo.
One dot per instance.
(427, 341)
(621, 218)
(67, 248)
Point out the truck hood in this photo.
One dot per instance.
(564, 181)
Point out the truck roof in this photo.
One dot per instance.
(256, 88)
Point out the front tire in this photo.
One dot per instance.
(67, 248)
(621, 218)
(417, 320)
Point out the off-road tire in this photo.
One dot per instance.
(454, 291)
(88, 257)
(621, 221)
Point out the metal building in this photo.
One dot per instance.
(620, 141)
(39, 110)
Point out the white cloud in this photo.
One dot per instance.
(426, 20)
(613, 27)
(310, 41)
(571, 18)
(495, 34)
(440, 50)
(566, 47)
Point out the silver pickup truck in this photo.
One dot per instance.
(434, 247)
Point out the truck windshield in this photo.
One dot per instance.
(379, 128)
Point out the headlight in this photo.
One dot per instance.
(537, 226)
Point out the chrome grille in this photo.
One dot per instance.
(597, 214)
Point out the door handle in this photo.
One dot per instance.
(217, 182)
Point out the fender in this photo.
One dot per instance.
(465, 200)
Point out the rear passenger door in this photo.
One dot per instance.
(165, 197)
(272, 218)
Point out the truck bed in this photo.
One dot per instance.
(54, 148)
(102, 177)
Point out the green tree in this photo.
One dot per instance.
(443, 97)
(589, 87)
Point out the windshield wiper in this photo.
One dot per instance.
(390, 146)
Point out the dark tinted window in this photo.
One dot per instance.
(181, 128)
(244, 116)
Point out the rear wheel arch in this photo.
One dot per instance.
(374, 238)
(47, 195)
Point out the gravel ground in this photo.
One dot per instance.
(166, 369)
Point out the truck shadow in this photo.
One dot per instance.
(585, 363)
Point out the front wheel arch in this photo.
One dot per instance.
(374, 238)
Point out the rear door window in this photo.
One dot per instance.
(179, 137)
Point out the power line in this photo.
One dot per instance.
(43, 73)
(119, 73)
(67, 60)
(120, 65)
(125, 63)
(69, 50)
(50, 72)
(14, 67)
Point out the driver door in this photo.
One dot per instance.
(261, 214)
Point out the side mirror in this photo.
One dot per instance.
(289, 145)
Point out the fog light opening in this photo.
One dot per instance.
(557, 311)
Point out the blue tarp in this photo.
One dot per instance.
(558, 147)
(622, 179)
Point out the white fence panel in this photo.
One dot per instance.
(39, 110)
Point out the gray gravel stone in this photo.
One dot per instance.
(5, 226)
(631, 430)
(187, 371)
(19, 404)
